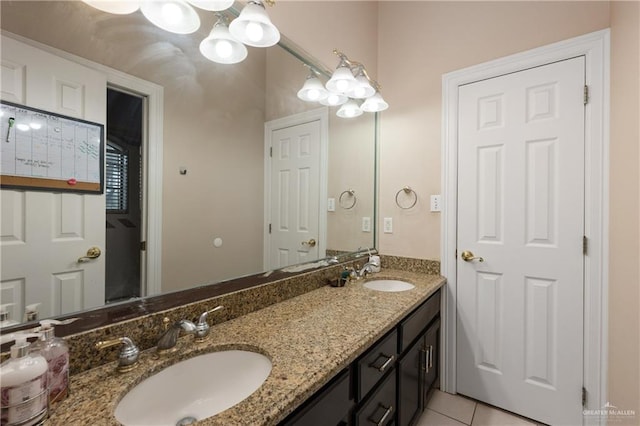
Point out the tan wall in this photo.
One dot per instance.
(624, 243)
(435, 38)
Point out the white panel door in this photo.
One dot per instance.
(295, 197)
(521, 209)
(43, 234)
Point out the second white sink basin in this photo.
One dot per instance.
(194, 389)
(389, 285)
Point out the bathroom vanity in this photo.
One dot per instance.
(359, 353)
(389, 383)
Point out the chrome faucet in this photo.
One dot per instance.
(202, 327)
(368, 268)
(169, 339)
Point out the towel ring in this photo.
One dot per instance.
(407, 190)
(351, 193)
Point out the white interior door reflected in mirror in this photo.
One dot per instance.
(44, 232)
(293, 202)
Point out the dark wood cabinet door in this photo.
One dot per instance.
(328, 407)
(432, 356)
(410, 384)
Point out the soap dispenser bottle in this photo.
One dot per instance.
(24, 384)
(56, 351)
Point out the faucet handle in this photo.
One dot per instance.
(129, 354)
(202, 327)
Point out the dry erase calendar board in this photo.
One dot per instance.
(46, 151)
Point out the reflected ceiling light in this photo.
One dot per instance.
(175, 16)
(313, 89)
(342, 80)
(213, 5)
(362, 88)
(374, 104)
(22, 127)
(343, 88)
(253, 27)
(349, 110)
(220, 46)
(118, 7)
(334, 99)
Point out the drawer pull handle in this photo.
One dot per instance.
(430, 356)
(384, 366)
(426, 357)
(387, 412)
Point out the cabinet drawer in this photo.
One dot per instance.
(380, 407)
(328, 407)
(413, 325)
(375, 363)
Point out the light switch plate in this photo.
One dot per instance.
(331, 204)
(436, 203)
(366, 224)
(388, 225)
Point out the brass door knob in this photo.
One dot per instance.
(468, 256)
(310, 243)
(92, 253)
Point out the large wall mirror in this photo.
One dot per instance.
(220, 180)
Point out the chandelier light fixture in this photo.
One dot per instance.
(349, 87)
(226, 42)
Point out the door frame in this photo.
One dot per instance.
(318, 114)
(151, 261)
(596, 49)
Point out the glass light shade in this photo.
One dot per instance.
(213, 5)
(349, 110)
(253, 27)
(221, 47)
(342, 81)
(334, 99)
(313, 90)
(362, 88)
(374, 104)
(175, 16)
(117, 7)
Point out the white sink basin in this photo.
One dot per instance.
(389, 285)
(197, 388)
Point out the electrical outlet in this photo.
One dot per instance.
(331, 204)
(436, 203)
(388, 225)
(366, 224)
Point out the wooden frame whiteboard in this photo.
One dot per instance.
(41, 150)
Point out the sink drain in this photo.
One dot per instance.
(186, 421)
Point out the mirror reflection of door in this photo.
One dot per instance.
(123, 191)
(297, 232)
(45, 233)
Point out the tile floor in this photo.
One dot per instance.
(445, 409)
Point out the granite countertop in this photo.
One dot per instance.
(309, 339)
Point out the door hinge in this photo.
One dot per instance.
(585, 244)
(586, 94)
(269, 228)
(270, 151)
(584, 396)
(143, 246)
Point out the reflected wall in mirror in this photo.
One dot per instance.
(213, 136)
